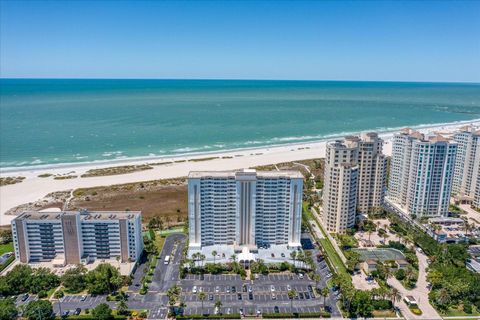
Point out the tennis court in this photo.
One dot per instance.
(381, 254)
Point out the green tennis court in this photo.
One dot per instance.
(382, 254)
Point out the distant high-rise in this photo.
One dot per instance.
(355, 173)
(421, 173)
(467, 164)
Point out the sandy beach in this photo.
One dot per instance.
(34, 188)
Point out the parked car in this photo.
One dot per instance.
(217, 289)
(234, 289)
(210, 297)
(25, 297)
(272, 288)
(83, 298)
(276, 309)
(239, 296)
(194, 290)
(77, 311)
(274, 297)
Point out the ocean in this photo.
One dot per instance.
(53, 121)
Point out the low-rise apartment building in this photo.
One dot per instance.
(73, 237)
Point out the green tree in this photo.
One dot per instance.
(202, 296)
(395, 296)
(6, 236)
(214, 254)
(293, 255)
(316, 277)
(291, 295)
(218, 304)
(102, 312)
(42, 280)
(17, 279)
(324, 294)
(8, 310)
(103, 279)
(74, 279)
(122, 307)
(39, 310)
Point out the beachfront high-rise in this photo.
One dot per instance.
(246, 208)
(421, 173)
(355, 173)
(372, 173)
(74, 237)
(340, 185)
(467, 165)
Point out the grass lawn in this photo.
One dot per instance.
(384, 314)
(165, 233)
(6, 248)
(159, 242)
(454, 312)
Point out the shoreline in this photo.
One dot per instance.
(33, 188)
(96, 164)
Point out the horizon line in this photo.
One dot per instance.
(235, 79)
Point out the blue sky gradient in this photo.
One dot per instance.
(328, 40)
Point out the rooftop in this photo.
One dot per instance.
(84, 215)
(245, 172)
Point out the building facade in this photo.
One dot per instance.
(340, 185)
(372, 165)
(77, 237)
(421, 173)
(354, 181)
(244, 208)
(467, 165)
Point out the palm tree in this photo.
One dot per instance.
(202, 296)
(324, 294)
(218, 304)
(293, 255)
(214, 254)
(291, 294)
(395, 296)
(233, 257)
(202, 258)
(316, 277)
(122, 307)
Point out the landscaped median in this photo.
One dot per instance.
(334, 260)
(284, 315)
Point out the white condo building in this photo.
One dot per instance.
(245, 208)
(467, 165)
(73, 237)
(355, 173)
(421, 173)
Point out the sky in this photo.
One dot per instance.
(312, 40)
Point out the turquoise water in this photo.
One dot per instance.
(65, 121)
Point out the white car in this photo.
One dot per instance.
(272, 288)
(217, 289)
(300, 275)
(288, 287)
(194, 290)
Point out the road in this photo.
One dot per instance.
(420, 292)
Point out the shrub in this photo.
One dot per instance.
(467, 307)
(400, 274)
(42, 294)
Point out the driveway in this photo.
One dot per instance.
(420, 293)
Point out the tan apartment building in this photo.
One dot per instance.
(73, 237)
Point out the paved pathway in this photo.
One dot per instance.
(420, 293)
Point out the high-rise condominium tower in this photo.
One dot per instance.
(372, 173)
(355, 172)
(467, 164)
(244, 208)
(421, 173)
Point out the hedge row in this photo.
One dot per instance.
(297, 315)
